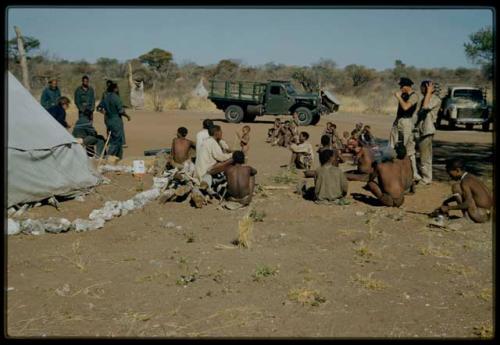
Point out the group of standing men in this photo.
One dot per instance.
(414, 124)
(111, 106)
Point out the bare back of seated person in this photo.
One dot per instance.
(181, 148)
(470, 194)
(364, 158)
(240, 179)
(390, 186)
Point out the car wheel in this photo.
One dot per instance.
(438, 122)
(249, 117)
(469, 126)
(305, 116)
(234, 114)
(451, 124)
(315, 120)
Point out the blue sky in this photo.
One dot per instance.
(371, 37)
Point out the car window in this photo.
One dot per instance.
(275, 90)
(470, 94)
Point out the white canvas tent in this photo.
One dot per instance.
(44, 159)
(200, 90)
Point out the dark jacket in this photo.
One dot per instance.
(59, 114)
(49, 97)
(85, 99)
(83, 128)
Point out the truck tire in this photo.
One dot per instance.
(315, 120)
(249, 117)
(438, 122)
(234, 114)
(469, 126)
(305, 116)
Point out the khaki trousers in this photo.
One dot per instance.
(425, 165)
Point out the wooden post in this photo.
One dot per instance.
(22, 59)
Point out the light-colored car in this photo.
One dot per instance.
(465, 105)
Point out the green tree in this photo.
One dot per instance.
(30, 44)
(359, 74)
(159, 62)
(157, 59)
(479, 50)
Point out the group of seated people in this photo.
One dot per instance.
(214, 162)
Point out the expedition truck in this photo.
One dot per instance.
(465, 105)
(244, 101)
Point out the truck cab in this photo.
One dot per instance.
(465, 105)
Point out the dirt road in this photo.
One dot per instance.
(311, 271)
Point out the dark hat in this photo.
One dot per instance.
(405, 82)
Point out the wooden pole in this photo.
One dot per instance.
(22, 59)
(104, 149)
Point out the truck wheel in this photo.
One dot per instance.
(469, 126)
(451, 124)
(249, 117)
(234, 114)
(315, 120)
(305, 116)
(438, 122)
(486, 126)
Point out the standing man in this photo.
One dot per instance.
(113, 118)
(402, 128)
(85, 99)
(50, 94)
(427, 114)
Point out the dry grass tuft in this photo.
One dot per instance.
(306, 296)
(368, 282)
(483, 331)
(245, 230)
(286, 176)
(257, 216)
(264, 271)
(485, 294)
(437, 252)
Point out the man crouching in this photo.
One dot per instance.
(471, 195)
(240, 180)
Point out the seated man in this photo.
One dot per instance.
(302, 153)
(330, 182)
(272, 133)
(85, 131)
(211, 160)
(284, 135)
(364, 158)
(326, 144)
(471, 195)
(181, 148)
(240, 180)
(391, 187)
(367, 138)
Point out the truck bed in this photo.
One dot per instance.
(237, 90)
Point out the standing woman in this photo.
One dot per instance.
(113, 107)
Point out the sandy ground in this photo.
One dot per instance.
(311, 271)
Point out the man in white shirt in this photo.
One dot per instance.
(203, 134)
(210, 159)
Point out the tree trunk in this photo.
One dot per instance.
(22, 59)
